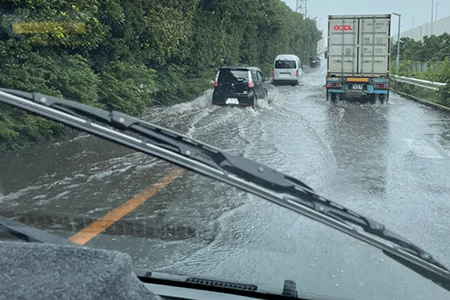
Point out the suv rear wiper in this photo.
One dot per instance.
(237, 171)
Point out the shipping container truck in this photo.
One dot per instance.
(358, 56)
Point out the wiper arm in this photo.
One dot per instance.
(237, 171)
(289, 289)
(25, 233)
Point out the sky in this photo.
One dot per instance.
(417, 11)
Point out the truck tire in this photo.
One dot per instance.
(332, 97)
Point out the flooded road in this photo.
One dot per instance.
(390, 162)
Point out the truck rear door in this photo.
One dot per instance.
(358, 45)
(374, 39)
(343, 45)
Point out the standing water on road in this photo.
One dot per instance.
(364, 156)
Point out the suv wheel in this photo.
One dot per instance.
(254, 100)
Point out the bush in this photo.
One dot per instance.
(137, 53)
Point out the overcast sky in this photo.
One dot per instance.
(420, 10)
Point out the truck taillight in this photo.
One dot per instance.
(215, 82)
(335, 84)
(379, 85)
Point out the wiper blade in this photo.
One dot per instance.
(237, 171)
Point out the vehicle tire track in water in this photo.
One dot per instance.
(308, 151)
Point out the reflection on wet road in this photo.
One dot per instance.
(390, 162)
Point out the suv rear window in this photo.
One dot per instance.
(285, 64)
(233, 75)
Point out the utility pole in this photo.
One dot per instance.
(300, 7)
(435, 15)
(431, 25)
(398, 41)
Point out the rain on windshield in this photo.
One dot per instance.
(380, 148)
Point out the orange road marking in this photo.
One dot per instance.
(99, 225)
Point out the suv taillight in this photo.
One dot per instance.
(250, 80)
(296, 73)
(217, 79)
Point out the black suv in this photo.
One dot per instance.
(239, 86)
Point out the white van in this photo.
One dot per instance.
(287, 68)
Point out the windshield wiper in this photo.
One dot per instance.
(237, 171)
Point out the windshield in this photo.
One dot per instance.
(360, 140)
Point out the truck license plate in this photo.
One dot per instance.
(357, 87)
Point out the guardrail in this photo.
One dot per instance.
(419, 82)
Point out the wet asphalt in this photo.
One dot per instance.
(390, 162)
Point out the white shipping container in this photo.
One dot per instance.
(359, 45)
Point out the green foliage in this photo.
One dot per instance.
(70, 24)
(62, 75)
(443, 75)
(127, 86)
(128, 55)
(17, 128)
(434, 51)
(432, 48)
(178, 84)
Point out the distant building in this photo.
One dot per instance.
(417, 33)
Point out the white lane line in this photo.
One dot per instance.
(422, 149)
